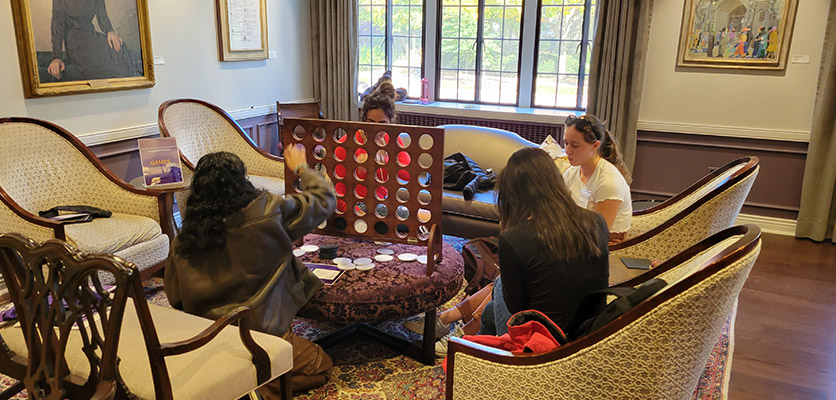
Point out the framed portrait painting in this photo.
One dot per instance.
(747, 34)
(82, 46)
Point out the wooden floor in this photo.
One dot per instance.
(785, 336)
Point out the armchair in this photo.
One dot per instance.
(44, 166)
(202, 128)
(656, 350)
(57, 352)
(706, 207)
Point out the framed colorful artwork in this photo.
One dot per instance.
(747, 34)
(82, 46)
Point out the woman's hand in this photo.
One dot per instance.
(114, 41)
(294, 156)
(56, 67)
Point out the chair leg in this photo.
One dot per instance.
(11, 391)
(284, 380)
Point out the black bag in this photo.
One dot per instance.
(593, 311)
(481, 263)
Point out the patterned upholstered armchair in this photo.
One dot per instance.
(656, 350)
(706, 207)
(43, 166)
(202, 128)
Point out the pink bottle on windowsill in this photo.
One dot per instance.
(425, 91)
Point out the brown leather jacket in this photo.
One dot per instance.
(256, 268)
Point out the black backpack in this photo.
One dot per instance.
(593, 311)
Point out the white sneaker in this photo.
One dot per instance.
(441, 345)
(417, 326)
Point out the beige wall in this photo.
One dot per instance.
(183, 33)
(749, 101)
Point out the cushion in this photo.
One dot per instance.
(268, 183)
(222, 369)
(482, 206)
(110, 235)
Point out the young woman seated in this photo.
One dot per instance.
(602, 187)
(379, 106)
(552, 252)
(235, 249)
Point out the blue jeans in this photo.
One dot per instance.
(495, 316)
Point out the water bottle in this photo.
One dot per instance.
(425, 91)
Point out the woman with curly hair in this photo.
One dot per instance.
(235, 249)
(379, 106)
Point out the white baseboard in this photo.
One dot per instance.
(778, 226)
(137, 132)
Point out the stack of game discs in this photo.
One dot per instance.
(328, 251)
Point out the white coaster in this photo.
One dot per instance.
(346, 266)
(362, 261)
(365, 267)
(382, 243)
(308, 248)
(383, 258)
(407, 257)
(298, 252)
(386, 251)
(422, 259)
(341, 260)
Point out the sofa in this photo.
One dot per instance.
(490, 148)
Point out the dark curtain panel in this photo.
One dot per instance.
(817, 215)
(334, 56)
(617, 68)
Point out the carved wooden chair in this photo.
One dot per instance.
(706, 207)
(43, 166)
(298, 110)
(656, 350)
(202, 128)
(78, 338)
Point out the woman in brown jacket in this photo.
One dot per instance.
(235, 249)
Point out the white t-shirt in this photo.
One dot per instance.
(606, 183)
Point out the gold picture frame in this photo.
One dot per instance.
(75, 48)
(736, 35)
(242, 29)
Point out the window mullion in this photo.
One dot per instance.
(388, 39)
(528, 38)
(480, 31)
(584, 41)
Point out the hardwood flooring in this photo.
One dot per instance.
(785, 335)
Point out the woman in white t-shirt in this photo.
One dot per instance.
(595, 185)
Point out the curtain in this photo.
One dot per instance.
(617, 68)
(334, 57)
(817, 215)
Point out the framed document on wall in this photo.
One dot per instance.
(242, 29)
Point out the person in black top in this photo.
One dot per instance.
(552, 253)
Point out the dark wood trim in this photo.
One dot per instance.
(741, 248)
(165, 133)
(743, 173)
(57, 227)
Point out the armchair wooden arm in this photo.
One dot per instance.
(260, 358)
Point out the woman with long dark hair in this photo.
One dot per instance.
(235, 249)
(379, 106)
(602, 187)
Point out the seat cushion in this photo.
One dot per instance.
(268, 183)
(222, 369)
(482, 206)
(110, 235)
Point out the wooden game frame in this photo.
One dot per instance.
(312, 133)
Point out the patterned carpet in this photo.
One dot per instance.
(367, 370)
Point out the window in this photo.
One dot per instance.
(528, 53)
(390, 35)
(562, 66)
(480, 48)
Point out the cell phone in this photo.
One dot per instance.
(636, 263)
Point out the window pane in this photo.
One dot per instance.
(548, 57)
(545, 89)
(449, 53)
(379, 20)
(378, 50)
(490, 86)
(510, 54)
(545, 2)
(416, 20)
(400, 21)
(508, 91)
(364, 17)
(364, 44)
(400, 51)
(493, 23)
(469, 22)
(467, 53)
(449, 85)
(550, 22)
(492, 55)
(513, 22)
(572, 23)
(585, 92)
(467, 85)
(414, 83)
(364, 77)
(570, 57)
(450, 22)
(567, 91)
(415, 52)
(400, 77)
